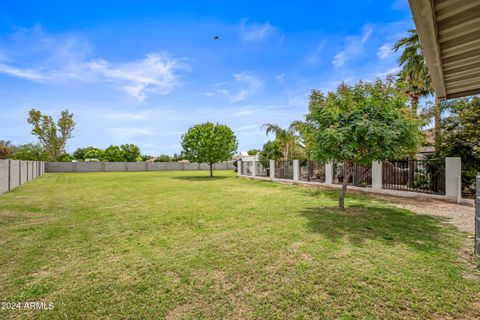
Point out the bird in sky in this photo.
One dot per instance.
(216, 38)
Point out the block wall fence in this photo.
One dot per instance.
(14, 173)
(132, 166)
(452, 183)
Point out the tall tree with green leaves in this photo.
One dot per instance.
(461, 130)
(6, 149)
(52, 136)
(272, 150)
(113, 154)
(288, 138)
(414, 71)
(30, 151)
(415, 79)
(209, 143)
(362, 123)
(131, 152)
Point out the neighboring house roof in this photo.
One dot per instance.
(449, 32)
(244, 156)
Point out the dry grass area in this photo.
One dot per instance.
(180, 245)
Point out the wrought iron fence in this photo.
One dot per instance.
(426, 176)
(361, 175)
(247, 168)
(284, 169)
(468, 182)
(312, 171)
(260, 170)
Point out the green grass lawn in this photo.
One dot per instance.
(182, 245)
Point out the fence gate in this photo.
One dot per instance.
(477, 218)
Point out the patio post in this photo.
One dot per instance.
(239, 167)
(254, 168)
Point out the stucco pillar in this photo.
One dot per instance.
(329, 173)
(377, 175)
(272, 169)
(239, 167)
(296, 170)
(254, 168)
(453, 178)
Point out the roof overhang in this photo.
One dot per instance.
(449, 32)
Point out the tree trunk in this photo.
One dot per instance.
(211, 170)
(346, 177)
(438, 126)
(415, 99)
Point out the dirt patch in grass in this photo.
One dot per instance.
(461, 215)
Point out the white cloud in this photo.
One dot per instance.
(256, 31)
(280, 78)
(157, 73)
(354, 47)
(384, 51)
(65, 57)
(242, 113)
(29, 74)
(252, 83)
(383, 73)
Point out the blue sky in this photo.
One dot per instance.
(143, 72)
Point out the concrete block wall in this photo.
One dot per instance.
(4, 176)
(132, 166)
(17, 172)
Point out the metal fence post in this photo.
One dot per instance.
(272, 169)
(477, 218)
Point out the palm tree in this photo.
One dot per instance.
(287, 137)
(416, 77)
(414, 71)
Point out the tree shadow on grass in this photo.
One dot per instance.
(334, 194)
(200, 178)
(361, 223)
